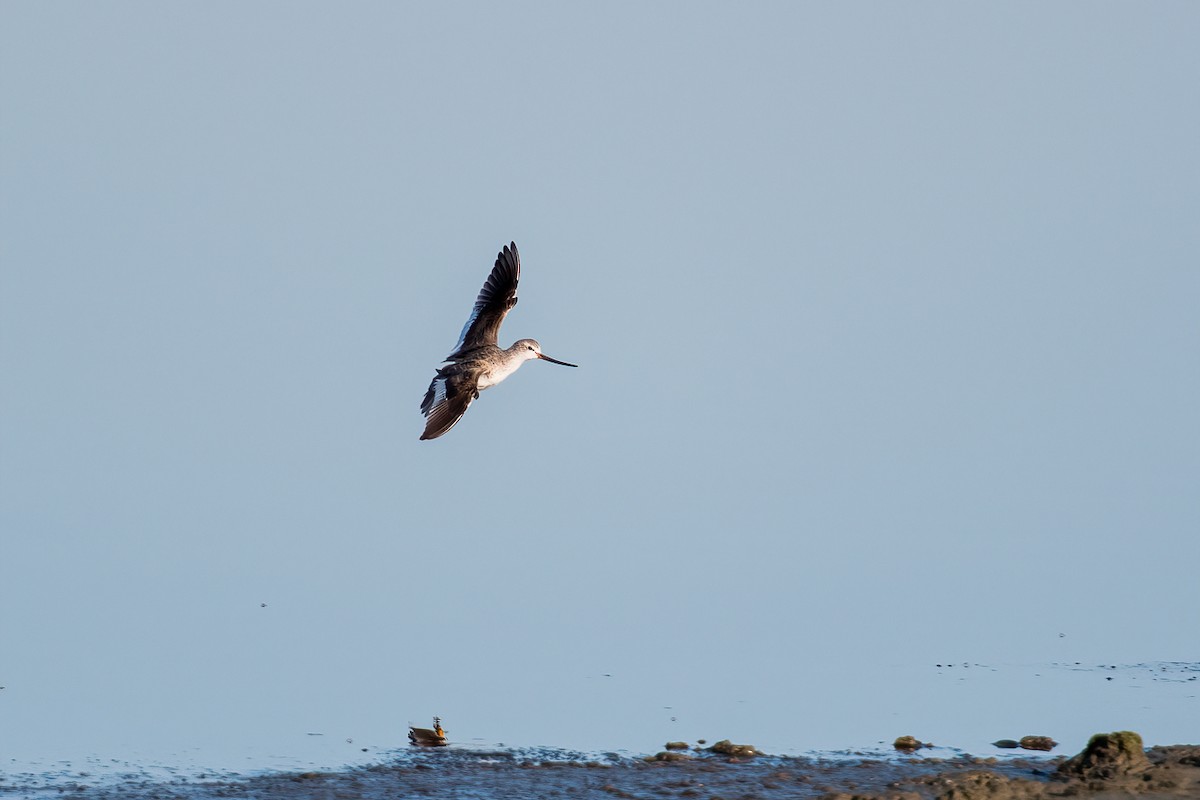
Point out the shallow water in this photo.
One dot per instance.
(960, 707)
(463, 771)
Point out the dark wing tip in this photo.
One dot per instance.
(508, 261)
(443, 416)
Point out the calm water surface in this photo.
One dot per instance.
(962, 706)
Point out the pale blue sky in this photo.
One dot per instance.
(886, 317)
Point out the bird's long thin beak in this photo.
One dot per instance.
(545, 357)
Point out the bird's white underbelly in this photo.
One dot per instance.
(496, 374)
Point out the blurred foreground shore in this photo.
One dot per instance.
(1112, 766)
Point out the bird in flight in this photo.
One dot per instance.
(478, 362)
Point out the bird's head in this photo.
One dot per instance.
(530, 349)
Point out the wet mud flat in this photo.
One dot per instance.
(1112, 766)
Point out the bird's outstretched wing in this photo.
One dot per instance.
(445, 402)
(495, 300)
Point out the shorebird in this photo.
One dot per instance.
(477, 362)
(430, 738)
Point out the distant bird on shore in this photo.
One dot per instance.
(477, 362)
(435, 737)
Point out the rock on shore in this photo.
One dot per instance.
(1113, 766)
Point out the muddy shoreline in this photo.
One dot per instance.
(1112, 766)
